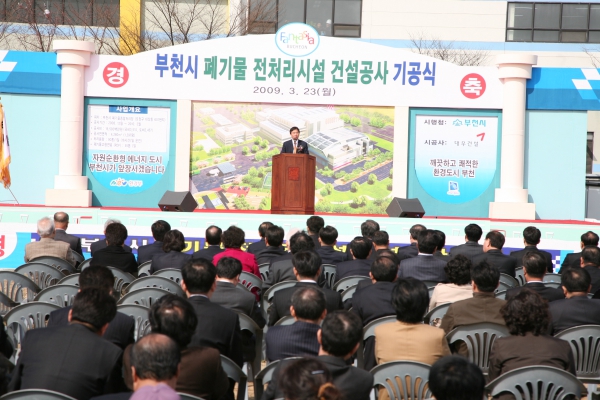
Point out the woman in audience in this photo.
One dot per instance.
(308, 379)
(458, 271)
(173, 244)
(233, 239)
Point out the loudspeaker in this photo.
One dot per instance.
(405, 208)
(177, 201)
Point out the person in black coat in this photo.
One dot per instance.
(145, 253)
(273, 245)
(254, 248)
(471, 248)
(531, 238)
(573, 259)
(492, 248)
(360, 265)
(295, 146)
(114, 254)
(375, 300)
(534, 269)
(328, 239)
(213, 240)
(411, 250)
(314, 225)
(61, 223)
(577, 309)
(424, 266)
(367, 229)
(174, 243)
(101, 244)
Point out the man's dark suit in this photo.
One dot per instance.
(119, 332)
(373, 301)
(330, 256)
(594, 272)
(440, 256)
(578, 310)
(422, 267)
(571, 260)
(546, 292)
(519, 254)
(281, 269)
(68, 359)
(241, 301)
(506, 264)
(469, 250)
(116, 256)
(217, 327)
(288, 147)
(145, 253)
(315, 239)
(356, 267)
(208, 253)
(101, 244)
(408, 251)
(255, 247)
(172, 259)
(73, 241)
(268, 253)
(282, 300)
(201, 373)
(296, 340)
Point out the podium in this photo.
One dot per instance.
(293, 184)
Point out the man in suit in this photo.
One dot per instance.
(300, 338)
(47, 245)
(573, 259)
(212, 237)
(295, 146)
(100, 244)
(307, 268)
(381, 242)
(218, 327)
(456, 378)
(577, 309)
(367, 229)
(73, 359)
(441, 243)
(339, 339)
(145, 253)
(411, 250)
(471, 248)
(328, 239)
(273, 245)
(424, 266)
(314, 225)
(374, 301)
(590, 261)
(121, 328)
(360, 264)
(255, 247)
(534, 269)
(492, 253)
(114, 254)
(61, 223)
(531, 238)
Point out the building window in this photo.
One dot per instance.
(339, 18)
(553, 22)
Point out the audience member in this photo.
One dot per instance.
(424, 266)
(212, 238)
(534, 269)
(174, 243)
(308, 379)
(456, 378)
(328, 239)
(100, 244)
(531, 238)
(114, 254)
(61, 224)
(411, 250)
(471, 248)
(273, 245)
(47, 245)
(577, 309)
(307, 268)
(458, 272)
(381, 242)
(573, 259)
(368, 282)
(374, 301)
(439, 248)
(217, 326)
(255, 247)
(233, 240)
(121, 328)
(60, 358)
(367, 229)
(590, 261)
(314, 225)
(300, 338)
(359, 264)
(492, 253)
(147, 252)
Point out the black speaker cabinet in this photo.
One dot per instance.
(405, 208)
(177, 201)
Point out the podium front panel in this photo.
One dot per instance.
(293, 185)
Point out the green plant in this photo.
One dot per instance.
(355, 121)
(354, 187)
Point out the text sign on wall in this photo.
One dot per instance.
(455, 156)
(128, 146)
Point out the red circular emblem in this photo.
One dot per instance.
(115, 74)
(472, 86)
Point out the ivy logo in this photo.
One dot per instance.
(297, 39)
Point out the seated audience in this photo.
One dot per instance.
(314, 225)
(218, 327)
(471, 248)
(577, 309)
(308, 379)
(173, 245)
(456, 378)
(114, 254)
(381, 242)
(458, 272)
(492, 253)
(307, 268)
(273, 245)
(375, 300)
(359, 263)
(590, 261)
(145, 253)
(233, 240)
(255, 247)
(441, 243)
(534, 269)
(531, 238)
(100, 244)
(367, 230)
(212, 238)
(61, 223)
(300, 338)
(47, 245)
(60, 358)
(328, 239)
(411, 250)
(424, 266)
(574, 259)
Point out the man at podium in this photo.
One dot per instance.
(295, 146)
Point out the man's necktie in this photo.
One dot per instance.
(295, 147)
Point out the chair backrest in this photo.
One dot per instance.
(264, 271)
(369, 331)
(122, 279)
(437, 313)
(430, 284)
(144, 268)
(6, 304)
(348, 293)
(77, 257)
(235, 373)
(84, 264)
(35, 394)
(248, 324)
(536, 383)
(330, 272)
(157, 282)
(502, 286)
(58, 263)
(41, 274)
(143, 297)
(25, 317)
(501, 295)
(520, 276)
(61, 295)
(553, 285)
(173, 274)
(408, 379)
(479, 339)
(287, 320)
(185, 396)
(18, 287)
(509, 280)
(348, 281)
(250, 281)
(266, 375)
(72, 279)
(140, 316)
(552, 278)
(585, 343)
(267, 296)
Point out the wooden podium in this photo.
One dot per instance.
(293, 184)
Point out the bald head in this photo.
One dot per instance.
(61, 220)
(155, 357)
